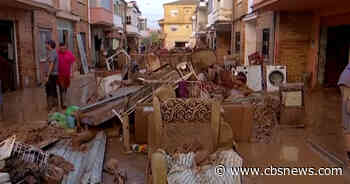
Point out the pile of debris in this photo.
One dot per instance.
(266, 115)
(23, 163)
(33, 133)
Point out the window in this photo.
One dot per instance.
(188, 10)
(128, 20)
(116, 8)
(65, 33)
(210, 5)
(180, 44)
(238, 41)
(44, 36)
(174, 13)
(174, 28)
(106, 4)
(266, 42)
(214, 43)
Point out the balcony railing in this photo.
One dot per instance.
(101, 16)
(47, 2)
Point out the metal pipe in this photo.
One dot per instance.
(103, 102)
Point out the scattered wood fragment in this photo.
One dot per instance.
(112, 167)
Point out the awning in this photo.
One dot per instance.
(29, 4)
(299, 5)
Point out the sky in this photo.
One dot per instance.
(153, 10)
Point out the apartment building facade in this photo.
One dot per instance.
(177, 23)
(132, 26)
(200, 21)
(27, 25)
(118, 32)
(220, 27)
(253, 32)
(310, 39)
(101, 22)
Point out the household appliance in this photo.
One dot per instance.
(275, 76)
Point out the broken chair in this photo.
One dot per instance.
(178, 123)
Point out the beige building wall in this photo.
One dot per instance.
(178, 23)
(240, 10)
(182, 34)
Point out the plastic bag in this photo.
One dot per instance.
(71, 110)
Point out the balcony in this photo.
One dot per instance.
(133, 30)
(118, 22)
(29, 4)
(102, 12)
(298, 5)
(45, 2)
(101, 16)
(221, 13)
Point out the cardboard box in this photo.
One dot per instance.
(241, 119)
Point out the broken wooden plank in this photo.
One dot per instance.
(119, 94)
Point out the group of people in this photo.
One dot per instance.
(60, 71)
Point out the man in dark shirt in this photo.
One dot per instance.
(52, 76)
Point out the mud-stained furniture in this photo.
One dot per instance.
(175, 123)
(292, 104)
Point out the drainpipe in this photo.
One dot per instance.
(36, 56)
(276, 32)
(89, 22)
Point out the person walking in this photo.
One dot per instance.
(65, 70)
(52, 75)
(344, 85)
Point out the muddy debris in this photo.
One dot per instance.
(119, 175)
(23, 171)
(265, 119)
(32, 133)
(60, 162)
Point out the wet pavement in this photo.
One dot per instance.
(26, 105)
(324, 123)
(290, 147)
(134, 164)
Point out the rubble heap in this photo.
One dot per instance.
(32, 133)
(265, 118)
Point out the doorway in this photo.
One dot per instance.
(250, 40)
(180, 44)
(8, 60)
(337, 54)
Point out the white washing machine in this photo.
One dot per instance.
(275, 76)
(254, 76)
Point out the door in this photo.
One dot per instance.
(337, 54)
(65, 33)
(8, 57)
(44, 36)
